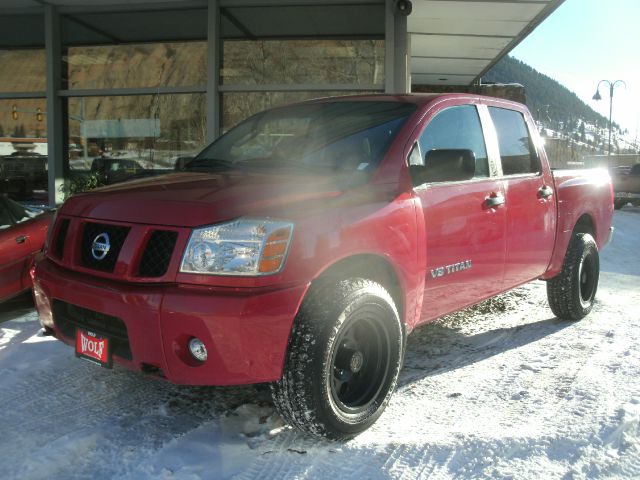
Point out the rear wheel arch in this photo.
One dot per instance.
(584, 224)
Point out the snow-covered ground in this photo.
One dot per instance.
(503, 390)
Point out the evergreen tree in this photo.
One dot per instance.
(546, 98)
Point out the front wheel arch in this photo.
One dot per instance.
(368, 266)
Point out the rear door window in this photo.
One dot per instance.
(517, 152)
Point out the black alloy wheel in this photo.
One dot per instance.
(572, 292)
(588, 275)
(361, 364)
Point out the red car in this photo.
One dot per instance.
(22, 235)
(304, 245)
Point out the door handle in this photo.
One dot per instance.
(494, 200)
(545, 192)
(21, 239)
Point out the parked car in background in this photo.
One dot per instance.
(22, 234)
(305, 244)
(116, 170)
(21, 173)
(626, 184)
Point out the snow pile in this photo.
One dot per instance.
(502, 390)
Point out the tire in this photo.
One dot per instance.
(571, 294)
(618, 204)
(343, 360)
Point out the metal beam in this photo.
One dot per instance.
(471, 35)
(237, 23)
(123, 92)
(22, 95)
(397, 74)
(296, 3)
(94, 29)
(55, 116)
(442, 74)
(214, 58)
(431, 57)
(302, 87)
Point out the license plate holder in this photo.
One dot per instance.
(94, 348)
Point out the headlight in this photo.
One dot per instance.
(242, 247)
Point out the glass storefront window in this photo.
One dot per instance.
(122, 137)
(317, 62)
(22, 71)
(236, 106)
(137, 65)
(23, 149)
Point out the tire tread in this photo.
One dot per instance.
(293, 394)
(563, 290)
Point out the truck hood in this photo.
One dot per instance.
(195, 199)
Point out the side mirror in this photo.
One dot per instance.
(446, 165)
(181, 162)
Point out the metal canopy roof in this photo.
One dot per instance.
(455, 42)
(110, 21)
(452, 42)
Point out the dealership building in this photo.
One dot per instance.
(145, 84)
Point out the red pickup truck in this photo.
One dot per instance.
(304, 245)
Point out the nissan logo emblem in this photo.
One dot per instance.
(100, 246)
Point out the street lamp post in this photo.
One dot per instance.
(597, 96)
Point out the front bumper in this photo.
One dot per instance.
(245, 331)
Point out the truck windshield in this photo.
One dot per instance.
(327, 138)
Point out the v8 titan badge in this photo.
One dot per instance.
(449, 269)
(93, 347)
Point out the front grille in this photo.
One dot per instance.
(58, 244)
(116, 235)
(157, 254)
(68, 317)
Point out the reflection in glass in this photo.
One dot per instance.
(122, 137)
(22, 71)
(238, 106)
(342, 139)
(260, 62)
(23, 149)
(136, 65)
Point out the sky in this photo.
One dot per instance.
(585, 41)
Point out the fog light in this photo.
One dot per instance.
(197, 349)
